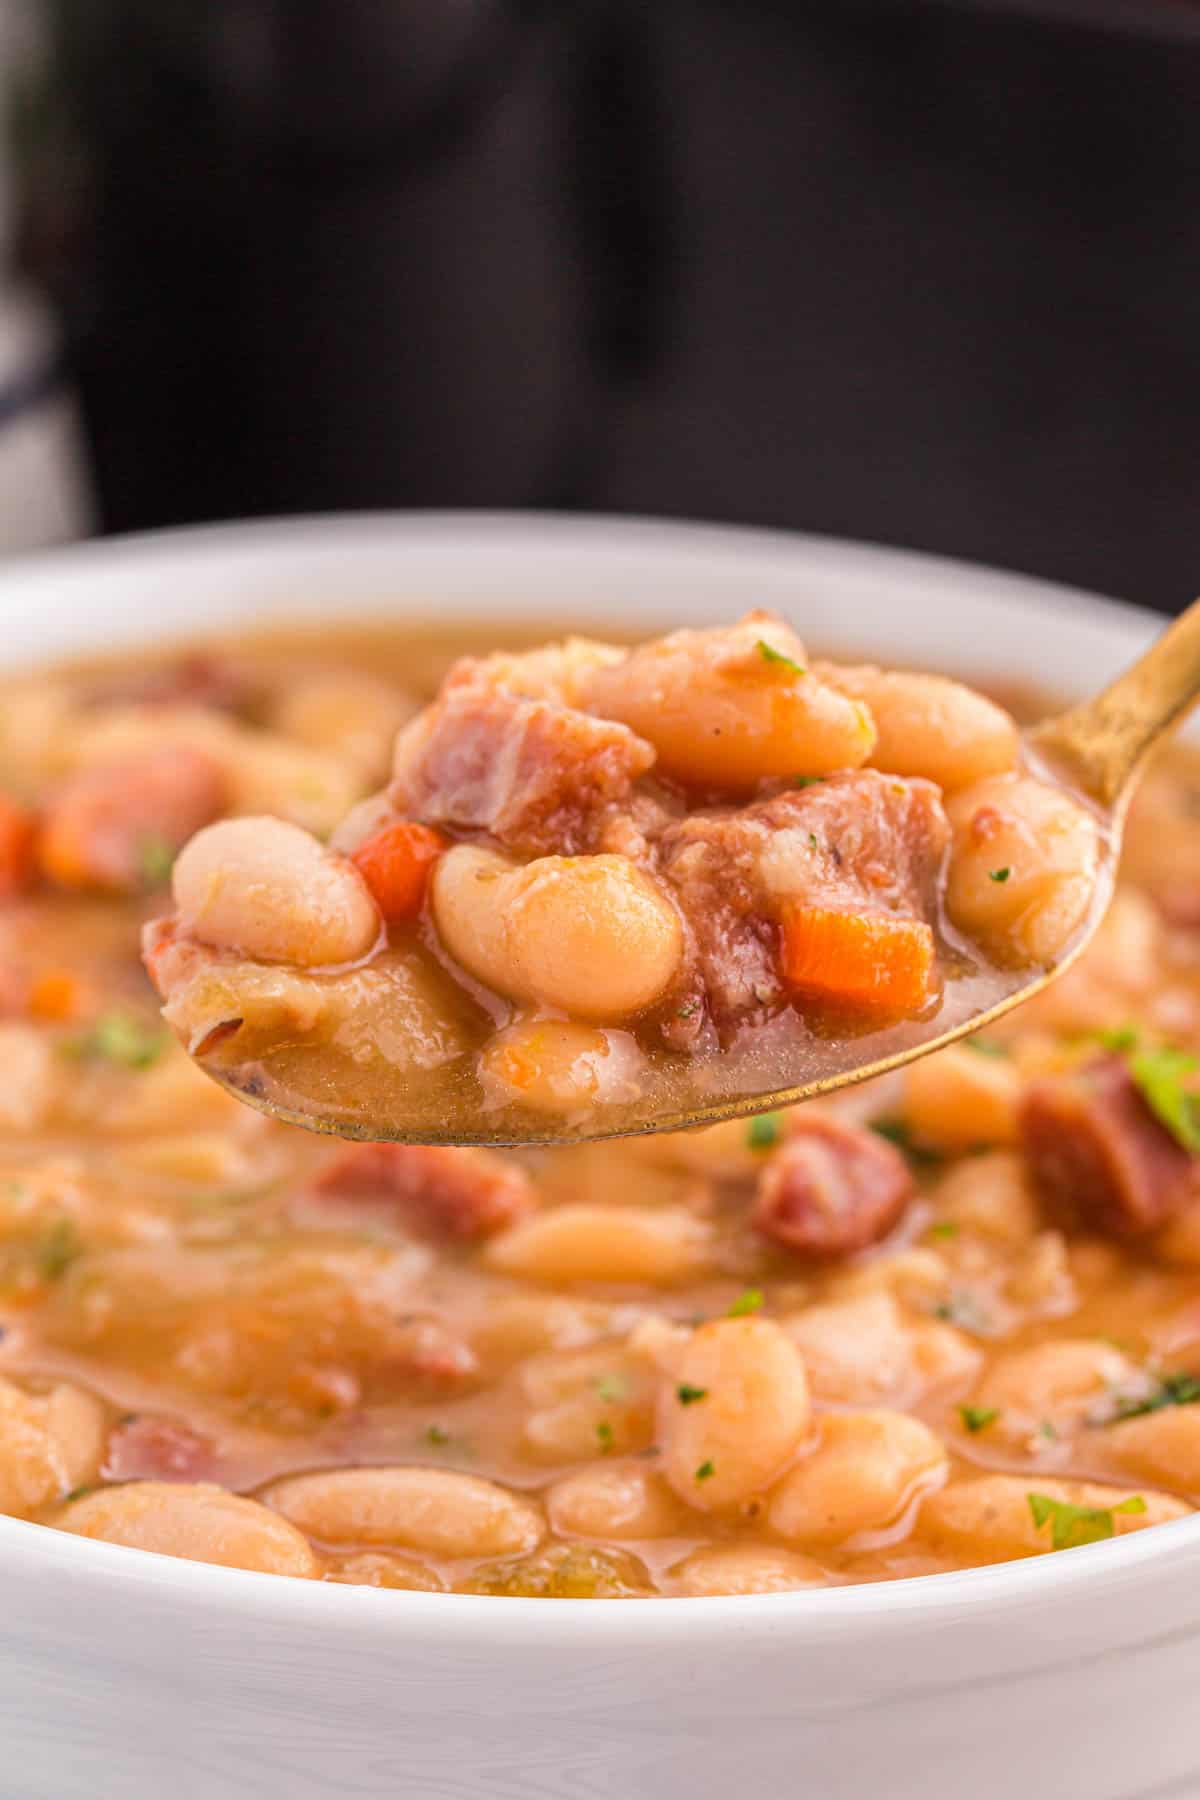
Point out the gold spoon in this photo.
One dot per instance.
(1096, 750)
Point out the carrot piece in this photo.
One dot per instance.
(56, 995)
(396, 864)
(874, 960)
(16, 847)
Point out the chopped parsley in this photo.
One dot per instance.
(964, 1310)
(1048, 1431)
(156, 859)
(612, 1388)
(437, 1435)
(77, 1493)
(803, 781)
(1074, 1525)
(978, 1418)
(999, 874)
(770, 654)
(604, 1436)
(688, 1396)
(121, 1039)
(944, 1228)
(1173, 1390)
(687, 1009)
(1159, 1076)
(898, 1134)
(750, 1300)
(763, 1132)
(57, 1250)
(706, 1470)
(812, 841)
(1124, 1037)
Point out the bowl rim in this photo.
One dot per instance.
(814, 1613)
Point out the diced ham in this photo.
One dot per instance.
(832, 1188)
(152, 1447)
(1097, 1152)
(537, 776)
(460, 1195)
(197, 679)
(115, 824)
(857, 842)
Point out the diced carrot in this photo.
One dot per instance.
(396, 864)
(56, 995)
(16, 847)
(873, 960)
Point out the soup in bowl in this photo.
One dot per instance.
(942, 1327)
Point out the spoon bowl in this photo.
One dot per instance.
(1095, 750)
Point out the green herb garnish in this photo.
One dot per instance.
(1071, 1526)
(978, 1418)
(688, 1396)
(604, 1436)
(963, 1309)
(1124, 1037)
(705, 1471)
(58, 1250)
(944, 1228)
(612, 1388)
(750, 1300)
(999, 874)
(803, 781)
(77, 1493)
(763, 1132)
(897, 1133)
(1172, 1390)
(156, 859)
(1048, 1431)
(985, 1046)
(437, 1435)
(1159, 1078)
(770, 654)
(686, 1010)
(118, 1038)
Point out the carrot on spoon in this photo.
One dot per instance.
(873, 960)
(396, 865)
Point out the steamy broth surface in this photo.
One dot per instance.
(947, 1319)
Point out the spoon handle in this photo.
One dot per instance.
(1101, 744)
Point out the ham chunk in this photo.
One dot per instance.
(861, 842)
(151, 1447)
(831, 1189)
(116, 825)
(536, 776)
(1098, 1153)
(456, 1195)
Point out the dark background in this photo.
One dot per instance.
(924, 273)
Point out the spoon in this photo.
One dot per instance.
(1096, 750)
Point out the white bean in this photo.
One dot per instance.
(197, 1521)
(267, 889)
(866, 1469)
(437, 1511)
(734, 1415)
(593, 935)
(603, 1243)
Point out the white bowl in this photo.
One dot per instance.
(123, 1673)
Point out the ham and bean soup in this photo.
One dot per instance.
(945, 1319)
(604, 887)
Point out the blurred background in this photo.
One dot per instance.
(925, 272)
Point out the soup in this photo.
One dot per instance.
(948, 1319)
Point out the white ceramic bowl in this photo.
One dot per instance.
(1070, 1675)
